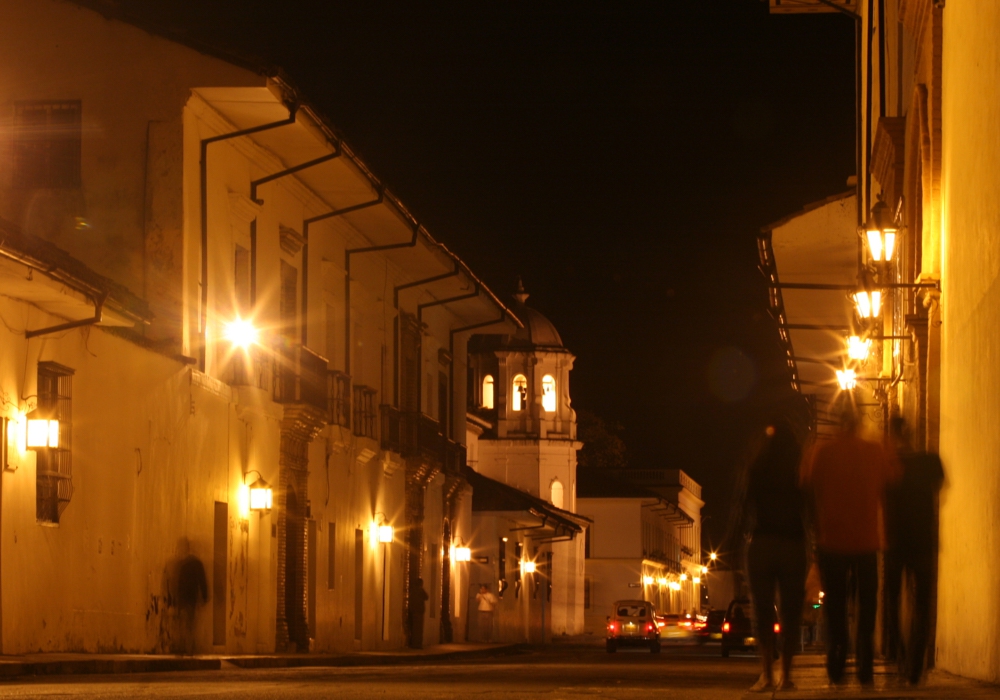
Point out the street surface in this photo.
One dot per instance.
(558, 671)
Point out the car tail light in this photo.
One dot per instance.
(725, 626)
(777, 627)
(612, 626)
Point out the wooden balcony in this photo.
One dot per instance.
(418, 435)
(301, 377)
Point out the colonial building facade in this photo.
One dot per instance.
(927, 76)
(260, 446)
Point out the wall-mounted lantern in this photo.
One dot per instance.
(881, 233)
(241, 333)
(527, 567)
(696, 580)
(459, 552)
(847, 379)
(867, 303)
(386, 534)
(662, 581)
(261, 496)
(684, 577)
(42, 433)
(647, 580)
(858, 349)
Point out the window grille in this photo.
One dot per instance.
(365, 411)
(340, 399)
(53, 465)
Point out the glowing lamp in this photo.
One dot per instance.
(647, 580)
(241, 333)
(704, 570)
(881, 233)
(675, 586)
(42, 433)
(528, 567)
(662, 581)
(684, 577)
(696, 580)
(713, 556)
(261, 496)
(857, 349)
(847, 379)
(463, 554)
(385, 534)
(867, 304)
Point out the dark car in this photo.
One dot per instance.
(633, 623)
(712, 631)
(738, 628)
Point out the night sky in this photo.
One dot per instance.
(620, 156)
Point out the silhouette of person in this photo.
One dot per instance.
(418, 607)
(912, 529)
(190, 591)
(487, 603)
(776, 556)
(847, 478)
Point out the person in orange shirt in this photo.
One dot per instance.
(847, 479)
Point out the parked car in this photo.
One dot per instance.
(738, 628)
(633, 623)
(712, 629)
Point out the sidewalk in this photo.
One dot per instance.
(69, 664)
(810, 677)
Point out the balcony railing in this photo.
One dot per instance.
(301, 377)
(419, 435)
(339, 392)
(255, 368)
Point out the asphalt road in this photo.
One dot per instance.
(556, 671)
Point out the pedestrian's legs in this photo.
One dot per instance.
(486, 626)
(762, 555)
(792, 584)
(895, 649)
(833, 571)
(921, 567)
(866, 572)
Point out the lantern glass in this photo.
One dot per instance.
(385, 534)
(463, 554)
(875, 244)
(528, 567)
(241, 333)
(43, 433)
(847, 379)
(857, 349)
(647, 580)
(261, 496)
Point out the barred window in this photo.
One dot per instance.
(47, 144)
(340, 399)
(53, 465)
(365, 413)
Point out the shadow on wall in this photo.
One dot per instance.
(185, 592)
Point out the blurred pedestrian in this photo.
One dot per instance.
(776, 556)
(912, 529)
(418, 608)
(847, 477)
(190, 592)
(487, 603)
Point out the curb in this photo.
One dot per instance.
(356, 660)
(97, 666)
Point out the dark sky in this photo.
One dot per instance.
(621, 156)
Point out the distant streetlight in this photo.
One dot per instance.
(647, 580)
(527, 567)
(696, 580)
(684, 577)
(713, 556)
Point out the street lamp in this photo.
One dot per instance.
(261, 496)
(881, 233)
(847, 379)
(867, 303)
(857, 349)
(647, 580)
(241, 333)
(42, 432)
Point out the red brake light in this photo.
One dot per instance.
(777, 627)
(725, 626)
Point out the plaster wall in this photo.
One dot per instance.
(969, 565)
(58, 51)
(617, 528)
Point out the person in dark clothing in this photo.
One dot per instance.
(912, 533)
(776, 556)
(418, 606)
(190, 587)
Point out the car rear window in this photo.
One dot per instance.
(632, 611)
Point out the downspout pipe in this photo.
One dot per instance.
(347, 282)
(451, 351)
(420, 347)
(254, 184)
(418, 283)
(97, 317)
(205, 143)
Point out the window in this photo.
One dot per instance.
(488, 391)
(46, 145)
(519, 397)
(53, 473)
(549, 393)
(340, 399)
(556, 493)
(586, 593)
(364, 411)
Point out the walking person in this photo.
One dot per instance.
(487, 604)
(912, 529)
(847, 478)
(776, 557)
